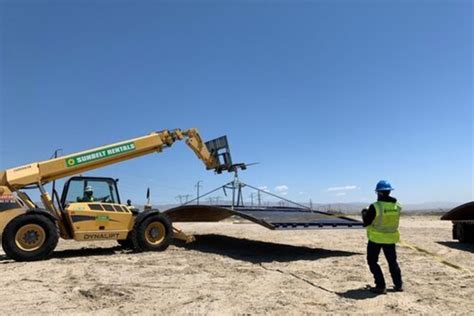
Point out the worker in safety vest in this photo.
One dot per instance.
(88, 195)
(381, 221)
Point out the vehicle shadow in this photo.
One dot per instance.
(74, 253)
(255, 251)
(457, 245)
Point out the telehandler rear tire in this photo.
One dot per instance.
(30, 237)
(153, 233)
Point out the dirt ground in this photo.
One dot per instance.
(245, 269)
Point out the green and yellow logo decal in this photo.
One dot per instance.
(100, 154)
(102, 218)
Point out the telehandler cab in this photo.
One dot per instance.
(32, 233)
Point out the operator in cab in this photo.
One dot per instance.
(381, 220)
(88, 195)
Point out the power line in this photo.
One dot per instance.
(214, 200)
(182, 197)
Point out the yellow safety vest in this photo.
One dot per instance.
(384, 228)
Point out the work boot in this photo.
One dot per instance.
(378, 290)
(398, 288)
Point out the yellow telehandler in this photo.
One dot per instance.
(90, 207)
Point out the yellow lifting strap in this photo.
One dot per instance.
(434, 256)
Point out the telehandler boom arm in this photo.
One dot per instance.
(53, 169)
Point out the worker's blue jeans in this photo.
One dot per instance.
(373, 251)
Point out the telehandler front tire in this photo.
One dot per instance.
(153, 233)
(30, 237)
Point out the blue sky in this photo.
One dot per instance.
(329, 96)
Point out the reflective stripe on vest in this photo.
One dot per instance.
(384, 228)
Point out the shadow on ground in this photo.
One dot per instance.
(457, 245)
(75, 253)
(362, 293)
(358, 294)
(255, 251)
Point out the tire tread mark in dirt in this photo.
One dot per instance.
(298, 277)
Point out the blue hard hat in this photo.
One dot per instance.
(383, 185)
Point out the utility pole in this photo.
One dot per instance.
(198, 186)
(251, 198)
(310, 203)
(259, 199)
